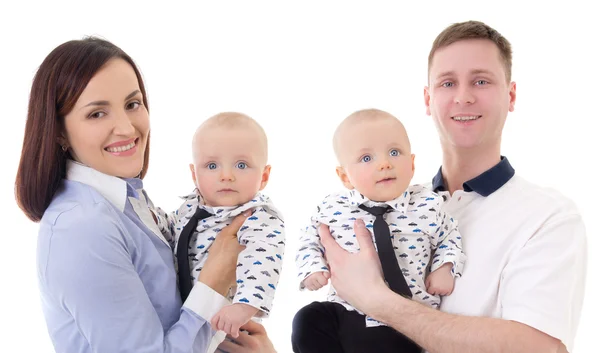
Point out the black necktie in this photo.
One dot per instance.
(391, 270)
(183, 262)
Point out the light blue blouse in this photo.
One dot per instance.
(106, 273)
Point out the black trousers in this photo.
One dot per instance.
(326, 327)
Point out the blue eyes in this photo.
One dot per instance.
(239, 165)
(478, 83)
(367, 158)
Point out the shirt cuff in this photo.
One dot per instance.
(204, 301)
(457, 261)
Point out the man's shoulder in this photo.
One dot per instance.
(546, 198)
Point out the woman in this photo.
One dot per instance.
(106, 273)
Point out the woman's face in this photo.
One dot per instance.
(108, 127)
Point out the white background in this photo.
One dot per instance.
(299, 70)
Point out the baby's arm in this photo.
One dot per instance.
(166, 223)
(313, 272)
(231, 317)
(448, 257)
(316, 280)
(259, 264)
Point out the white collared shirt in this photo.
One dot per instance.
(527, 257)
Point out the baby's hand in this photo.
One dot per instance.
(440, 281)
(231, 317)
(316, 280)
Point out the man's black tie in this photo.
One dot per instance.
(391, 270)
(183, 262)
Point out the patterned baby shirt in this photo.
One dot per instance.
(259, 264)
(423, 235)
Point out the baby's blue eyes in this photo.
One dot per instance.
(394, 153)
(366, 159)
(239, 165)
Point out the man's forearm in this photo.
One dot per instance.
(440, 332)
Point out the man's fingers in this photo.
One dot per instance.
(363, 236)
(332, 249)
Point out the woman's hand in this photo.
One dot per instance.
(219, 269)
(253, 341)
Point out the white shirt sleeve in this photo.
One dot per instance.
(310, 255)
(543, 284)
(260, 263)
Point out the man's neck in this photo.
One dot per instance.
(460, 166)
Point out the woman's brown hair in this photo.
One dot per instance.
(57, 85)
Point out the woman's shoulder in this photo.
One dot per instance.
(76, 207)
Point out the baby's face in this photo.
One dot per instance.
(375, 159)
(229, 166)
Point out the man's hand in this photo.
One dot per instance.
(356, 277)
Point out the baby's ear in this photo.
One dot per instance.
(341, 172)
(265, 177)
(193, 170)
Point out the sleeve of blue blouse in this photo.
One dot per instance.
(89, 270)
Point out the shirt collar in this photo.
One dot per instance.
(400, 203)
(484, 184)
(195, 200)
(115, 190)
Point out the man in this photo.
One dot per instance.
(523, 282)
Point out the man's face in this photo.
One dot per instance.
(468, 94)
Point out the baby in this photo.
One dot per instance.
(229, 169)
(376, 166)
